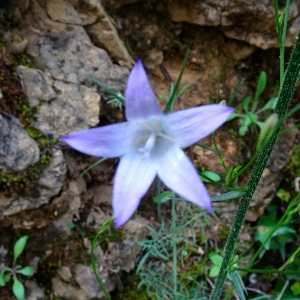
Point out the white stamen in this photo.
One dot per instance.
(150, 138)
(150, 143)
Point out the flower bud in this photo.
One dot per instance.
(223, 102)
(267, 130)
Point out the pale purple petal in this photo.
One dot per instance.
(140, 100)
(178, 173)
(134, 175)
(189, 126)
(107, 141)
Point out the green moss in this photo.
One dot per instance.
(111, 235)
(14, 103)
(223, 232)
(130, 289)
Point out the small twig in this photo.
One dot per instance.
(283, 290)
(258, 292)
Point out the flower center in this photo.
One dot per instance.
(150, 137)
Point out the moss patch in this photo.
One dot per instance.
(14, 105)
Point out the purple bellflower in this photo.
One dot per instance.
(150, 144)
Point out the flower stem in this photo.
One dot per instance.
(174, 247)
(284, 99)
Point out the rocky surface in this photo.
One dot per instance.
(70, 40)
(48, 185)
(17, 150)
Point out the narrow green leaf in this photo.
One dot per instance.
(261, 84)
(228, 196)
(18, 289)
(172, 99)
(27, 271)
(237, 281)
(117, 95)
(19, 246)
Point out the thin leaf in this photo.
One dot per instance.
(172, 98)
(237, 281)
(227, 196)
(261, 84)
(117, 95)
(93, 165)
(235, 92)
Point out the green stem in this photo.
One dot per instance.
(244, 168)
(284, 99)
(93, 261)
(159, 204)
(267, 271)
(174, 241)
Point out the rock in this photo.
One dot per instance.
(62, 11)
(104, 34)
(228, 14)
(123, 254)
(154, 59)
(76, 107)
(66, 290)
(17, 150)
(36, 85)
(33, 291)
(48, 185)
(70, 56)
(18, 47)
(21, 4)
(65, 273)
(88, 287)
(66, 106)
(85, 278)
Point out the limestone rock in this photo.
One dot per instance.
(48, 185)
(62, 11)
(36, 85)
(33, 291)
(18, 47)
(17, 149)
(124, 253)
(76, 107)
(88, 287)
(227, 14)
(104, 34)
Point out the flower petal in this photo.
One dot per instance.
(107, 141)
(191, 125)
(178, 174)
(134, 175)
(140, 100)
